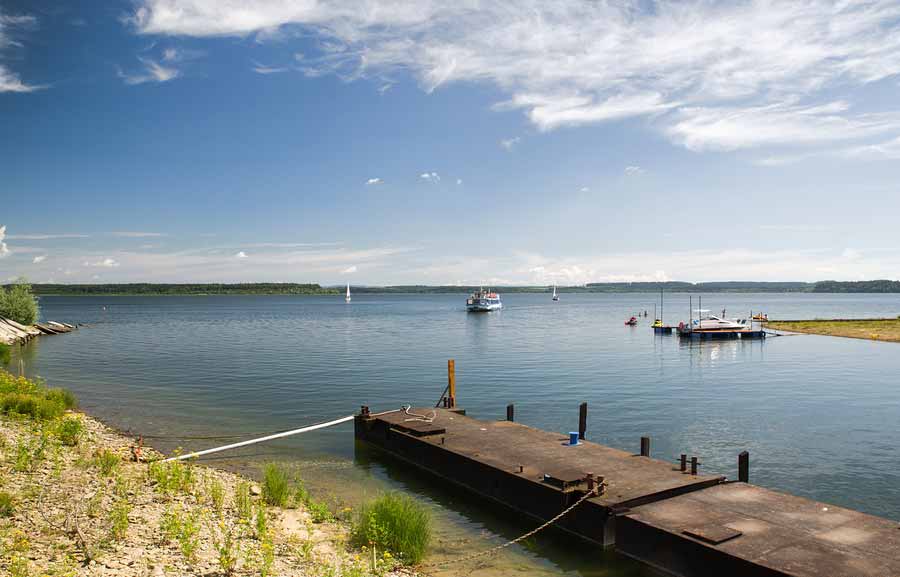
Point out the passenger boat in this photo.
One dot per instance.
(483, 301)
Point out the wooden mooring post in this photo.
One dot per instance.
(451, 383)
(645, 446)
(510, 412)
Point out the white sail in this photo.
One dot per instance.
(347, 298)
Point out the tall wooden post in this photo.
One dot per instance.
(582, 420)
(744, 467)
(510, 413)
(451, 384)
(694, 464)
(645, 446)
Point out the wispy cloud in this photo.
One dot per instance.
(633, 170)
(701, 72)
(10, 27)
(510, 143)
(373, 181)
(39, 259)
(430, 176)
(4, 250)
(241, 254)
(136, 234)
(264, 69)
(152, 71)
(103, 263)
(349, 270)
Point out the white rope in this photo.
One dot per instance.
(260, 439)
(418, 417)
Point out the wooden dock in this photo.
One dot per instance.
(656, 511)
(12, 332)
(715, 335)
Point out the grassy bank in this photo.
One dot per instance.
(874, 329)
(74, 501)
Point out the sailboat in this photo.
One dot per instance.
(555, 296)
(347, 298)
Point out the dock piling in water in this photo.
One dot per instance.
(582, 420)
(510, 412)
(744, 467)
(694, 464)
(683, 463)
(451, 383)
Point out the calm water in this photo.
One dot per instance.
(819, 415)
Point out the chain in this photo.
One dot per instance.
(498, 548)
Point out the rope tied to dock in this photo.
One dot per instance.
(488, 552)
(418, 417)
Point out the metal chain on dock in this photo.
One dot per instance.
(535, 531)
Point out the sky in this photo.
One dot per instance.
(464, 142)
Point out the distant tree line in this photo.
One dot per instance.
(875, 286)
(183, 289)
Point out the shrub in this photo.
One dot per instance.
(18, 303)
(69, 430)
(107, 461)
(22, 396)
(394, 522)
(216, 495)
(7, 504)
(276, 487)
(319, 511)
(119, 519)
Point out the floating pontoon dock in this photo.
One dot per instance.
(665, 514)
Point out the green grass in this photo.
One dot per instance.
(397, 523)
(7, 504)
(874, 329)
(276, 488)
(69, 430)
(107, 461)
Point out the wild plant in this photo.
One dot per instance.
(242, 502)
(69, 430)
(276, 486)
(107, 461)
(396, 523)
(225, 543)
(216, 494)
(118, 517)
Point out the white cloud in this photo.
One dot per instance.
(372, 181)
(240, 254)
(39, 259)
(46, 236)
(851, 254)
(153, 72)
(458, 181)
(104, 263)
(10, 82)
(170, 55)
(4, 250)
(633, 170)
(430, 176)
(584, 189)
(349, 270)
(510, 143)
(709, 75)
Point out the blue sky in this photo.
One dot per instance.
(433, 143)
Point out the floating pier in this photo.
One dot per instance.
(714, 335)
(662, 513)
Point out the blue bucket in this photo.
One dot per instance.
(573, 437)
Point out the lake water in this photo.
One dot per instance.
(819, 415)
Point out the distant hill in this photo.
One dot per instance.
(875, 286)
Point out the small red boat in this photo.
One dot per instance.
(631, 322)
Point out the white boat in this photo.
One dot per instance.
(708, 322)
(483, 301)
(347, 298)
(555, 296)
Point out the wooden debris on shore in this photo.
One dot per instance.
(12, 332)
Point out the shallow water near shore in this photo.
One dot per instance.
(818, 414)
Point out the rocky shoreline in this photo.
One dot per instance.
(95, 508)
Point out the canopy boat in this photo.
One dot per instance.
(483, 301)
(555, 296)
